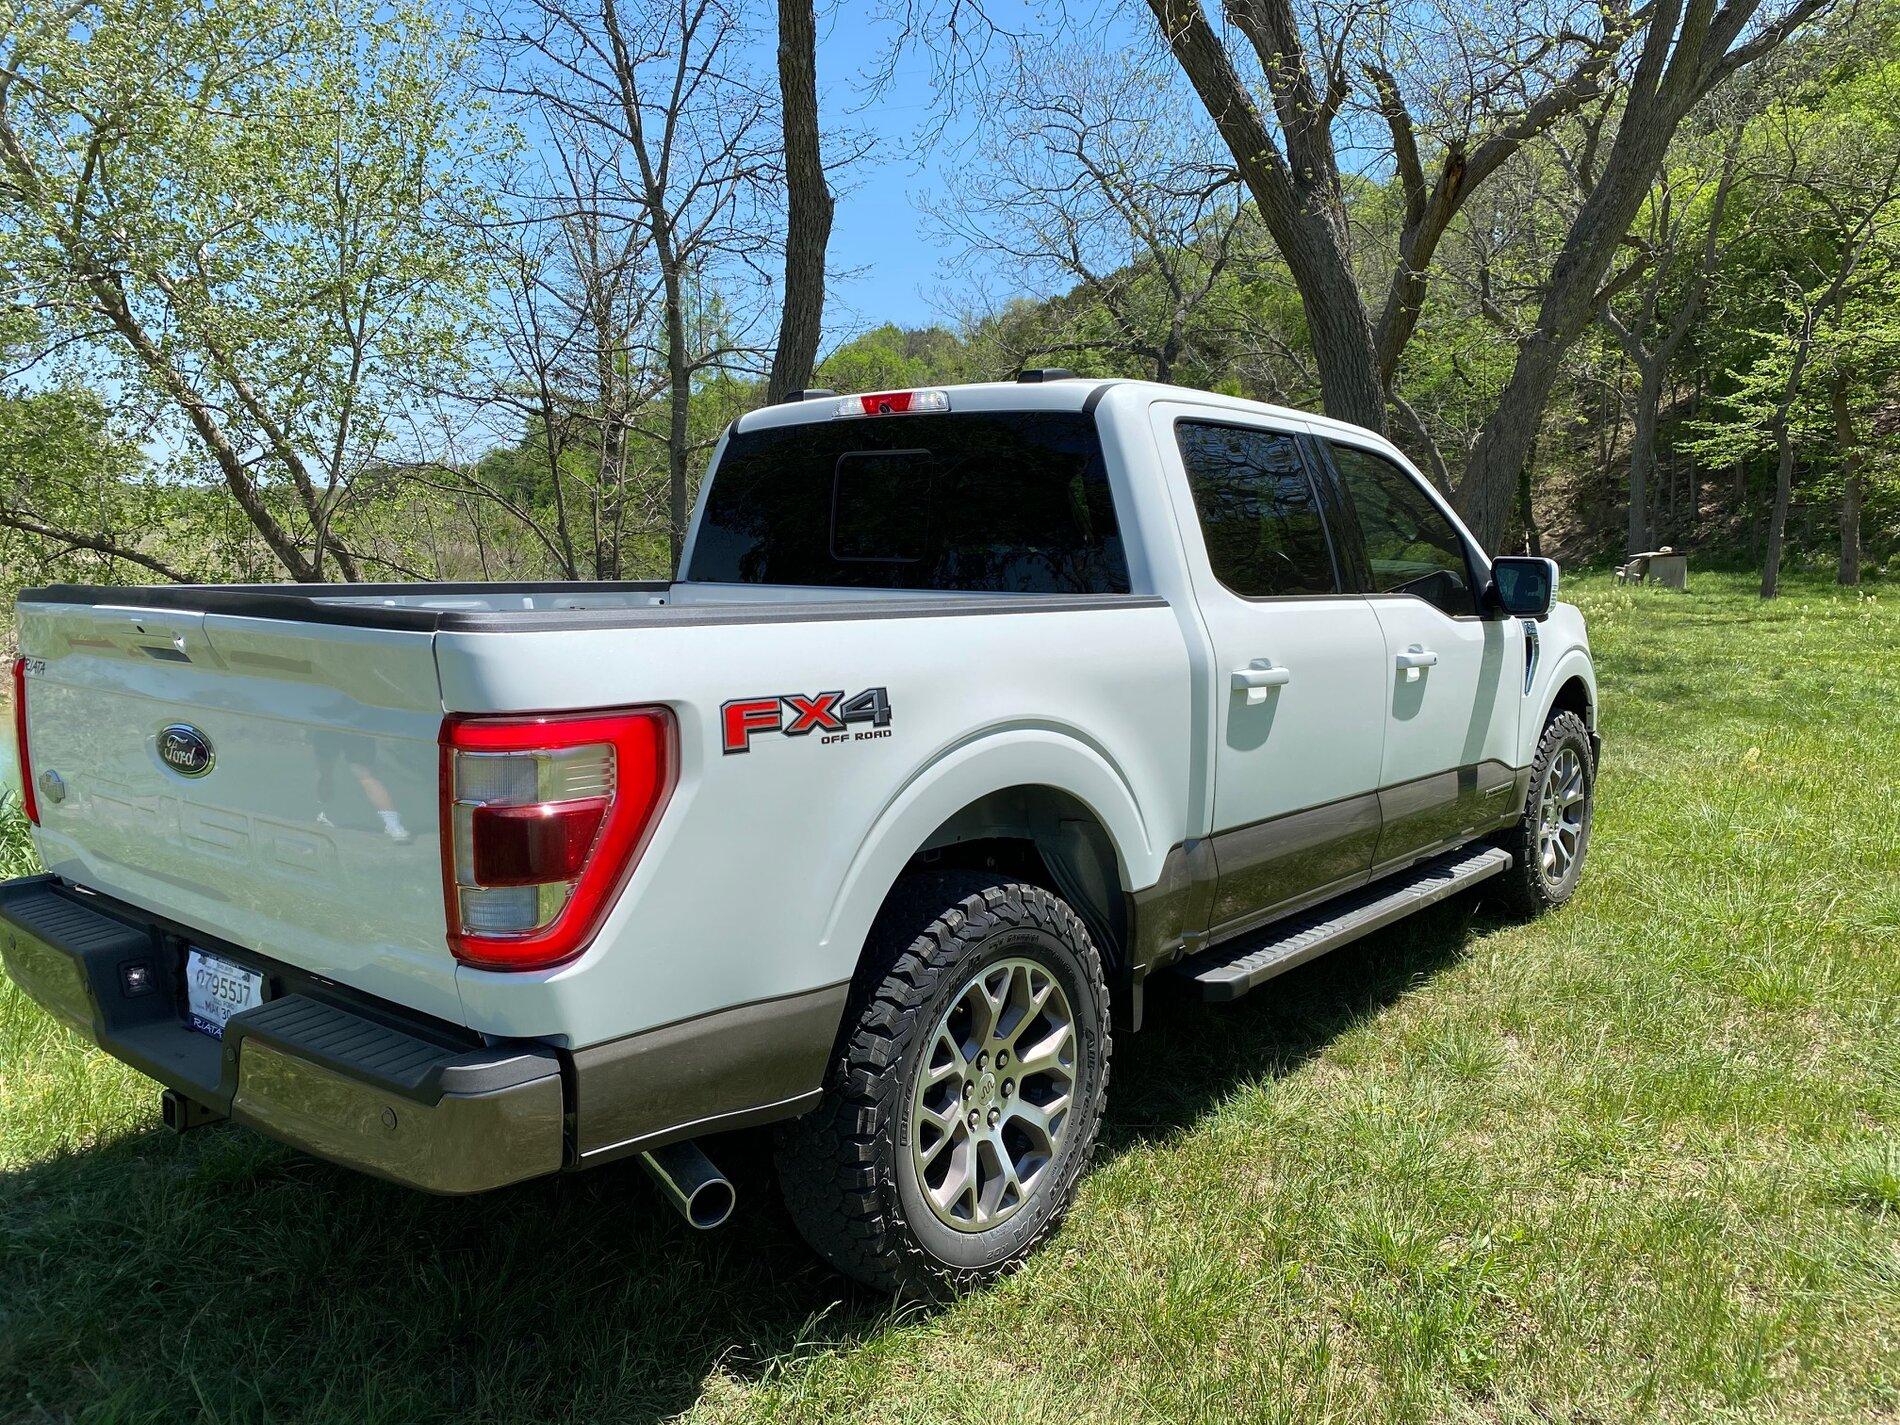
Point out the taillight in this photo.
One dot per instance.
(543, 819)
(894, 403)
(29, 799)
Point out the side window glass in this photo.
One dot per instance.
(1259, 517)
(1410, 546)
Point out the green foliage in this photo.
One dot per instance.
(17, 857)
(252, 217)
(1809, 340)
(64, 465)
(890, 358)
(278, 197)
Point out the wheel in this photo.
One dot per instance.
(965, 1095)
(1553, 834)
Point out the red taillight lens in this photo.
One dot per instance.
(534, 845)
(543, 818)
(29, 799)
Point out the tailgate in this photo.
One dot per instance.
(267, 782)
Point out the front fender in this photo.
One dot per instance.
(1565, 655)
(1573, 664)
(995, 760)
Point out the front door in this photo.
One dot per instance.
(1454, 679)
(1300, 701)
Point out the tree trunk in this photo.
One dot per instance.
(1300, 215)
(679, 397)
(808, 203)
(1643, 456)
(1671, 73)
(1696, 472)
(1778, 512)
(1527, 510)
(1851, 455)
(1497, 460)
(1336, 322)
(679, 404)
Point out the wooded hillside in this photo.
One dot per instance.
(410, 291)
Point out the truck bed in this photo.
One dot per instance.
(316, 843)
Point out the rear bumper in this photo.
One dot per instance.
(353, 1081)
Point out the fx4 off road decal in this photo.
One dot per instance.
(834, 717)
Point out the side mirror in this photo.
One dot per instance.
(1523, 586)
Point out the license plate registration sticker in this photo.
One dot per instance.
(216, 989)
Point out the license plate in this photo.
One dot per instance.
(216, 989)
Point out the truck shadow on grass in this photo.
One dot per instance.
(222, 1277)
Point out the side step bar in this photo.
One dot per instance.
(1229, 971)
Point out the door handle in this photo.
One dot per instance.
(1255, 681)
(1414, 658)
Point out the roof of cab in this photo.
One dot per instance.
(1063, 394)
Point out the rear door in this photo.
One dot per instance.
(268, 782)
(1299, 706)
(1452, 679)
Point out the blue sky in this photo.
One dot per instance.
(881, 248)
(890, 269)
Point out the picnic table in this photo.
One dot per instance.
(1667, 566)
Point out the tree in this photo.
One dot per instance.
(808, 204)
(73, 483)
(575, 329)
(1680, 237)
(1683, 50)
(1826, 158)
(1086, 176)
(1464, 105)
(888, 358)
(243, 213)
(679, 139)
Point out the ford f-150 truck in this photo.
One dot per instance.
(970, 712)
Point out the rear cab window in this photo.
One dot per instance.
(976, 501)
(1259, 513)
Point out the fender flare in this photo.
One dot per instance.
(988, 761)
(1573, 662)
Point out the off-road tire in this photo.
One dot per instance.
(1528, 889)
(846, 1168)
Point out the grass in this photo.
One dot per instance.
(1637, 1160)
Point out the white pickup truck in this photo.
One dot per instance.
(971, 710)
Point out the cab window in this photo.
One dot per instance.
(980, 501)
(1411, 547)
(1259, 517)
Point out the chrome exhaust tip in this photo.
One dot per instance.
(698, 1191)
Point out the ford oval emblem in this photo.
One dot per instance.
(185, 750)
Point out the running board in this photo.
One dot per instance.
(1229, 971)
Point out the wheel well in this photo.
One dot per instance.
(1048, 838)
(1573, 696)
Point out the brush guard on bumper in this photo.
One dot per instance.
(365, 1085)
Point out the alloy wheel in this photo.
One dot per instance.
(993, 1095)
(1560, 814)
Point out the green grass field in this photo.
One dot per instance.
(1640, 1160)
